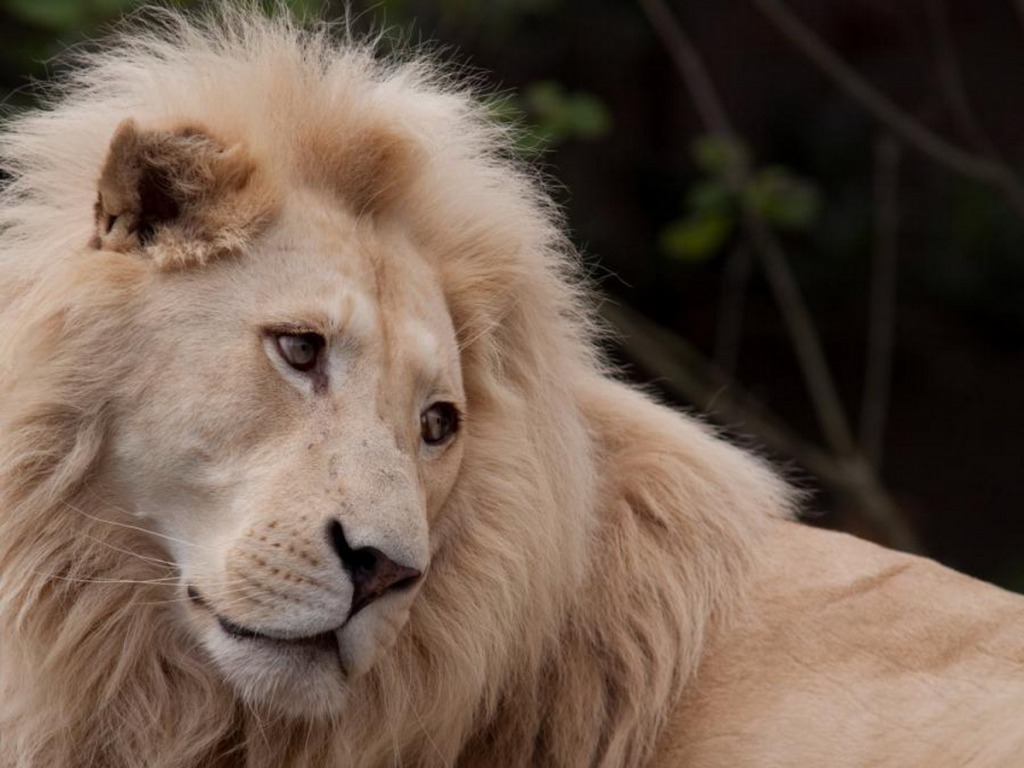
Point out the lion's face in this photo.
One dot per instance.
(291, 432)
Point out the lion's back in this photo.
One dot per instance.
(853, 655)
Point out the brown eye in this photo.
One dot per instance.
(300, 350)
(438, 423)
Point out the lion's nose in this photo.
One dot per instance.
(372, 572)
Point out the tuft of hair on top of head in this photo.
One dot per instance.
(172, 138)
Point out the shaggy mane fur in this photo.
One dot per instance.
(592, 542)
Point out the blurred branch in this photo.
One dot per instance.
(882, 312)
(951, 80)
(797, 317)
(847, 468)
(684, 372)
(915, 134)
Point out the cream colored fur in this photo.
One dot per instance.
(608, 584)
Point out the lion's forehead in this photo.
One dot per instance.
(364, 283)
(352, 314)
(422, 348)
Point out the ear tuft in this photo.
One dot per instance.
(179, 195)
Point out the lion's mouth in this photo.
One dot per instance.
(326, 641)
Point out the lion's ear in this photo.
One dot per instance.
(179, 196)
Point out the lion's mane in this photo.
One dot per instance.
(592, 542)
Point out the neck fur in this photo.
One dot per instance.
(564, 657)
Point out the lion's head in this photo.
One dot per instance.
(290, 421)
(303, 333)
(306, 454)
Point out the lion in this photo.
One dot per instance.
(309, 457)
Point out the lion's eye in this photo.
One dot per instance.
(300, 350)
(438, 423)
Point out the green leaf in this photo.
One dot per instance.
(697, 237)
(546, 103)
(109, 9)
(589, 117)
(720, 157)
(60, 15)
(67, 16)
(711, 195)
(545, 97)
(785, 201)
(560, 116)
(305, 9)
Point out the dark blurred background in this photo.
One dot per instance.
(807, 215)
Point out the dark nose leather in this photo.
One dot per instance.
(372, 572)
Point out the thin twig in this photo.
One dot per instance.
(804, 334)
(690, 67)
(910, 130)
(684, 372)
(951, 80)
(882, 317)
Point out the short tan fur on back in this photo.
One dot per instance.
(584, 560)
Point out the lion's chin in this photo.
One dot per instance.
(304, 679)
(297, 680)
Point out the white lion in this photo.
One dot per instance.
(307, 459)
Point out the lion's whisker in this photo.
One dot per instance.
(139, 555)
(169, 581)
(175, 600)
(419, 720)
(137, 528)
